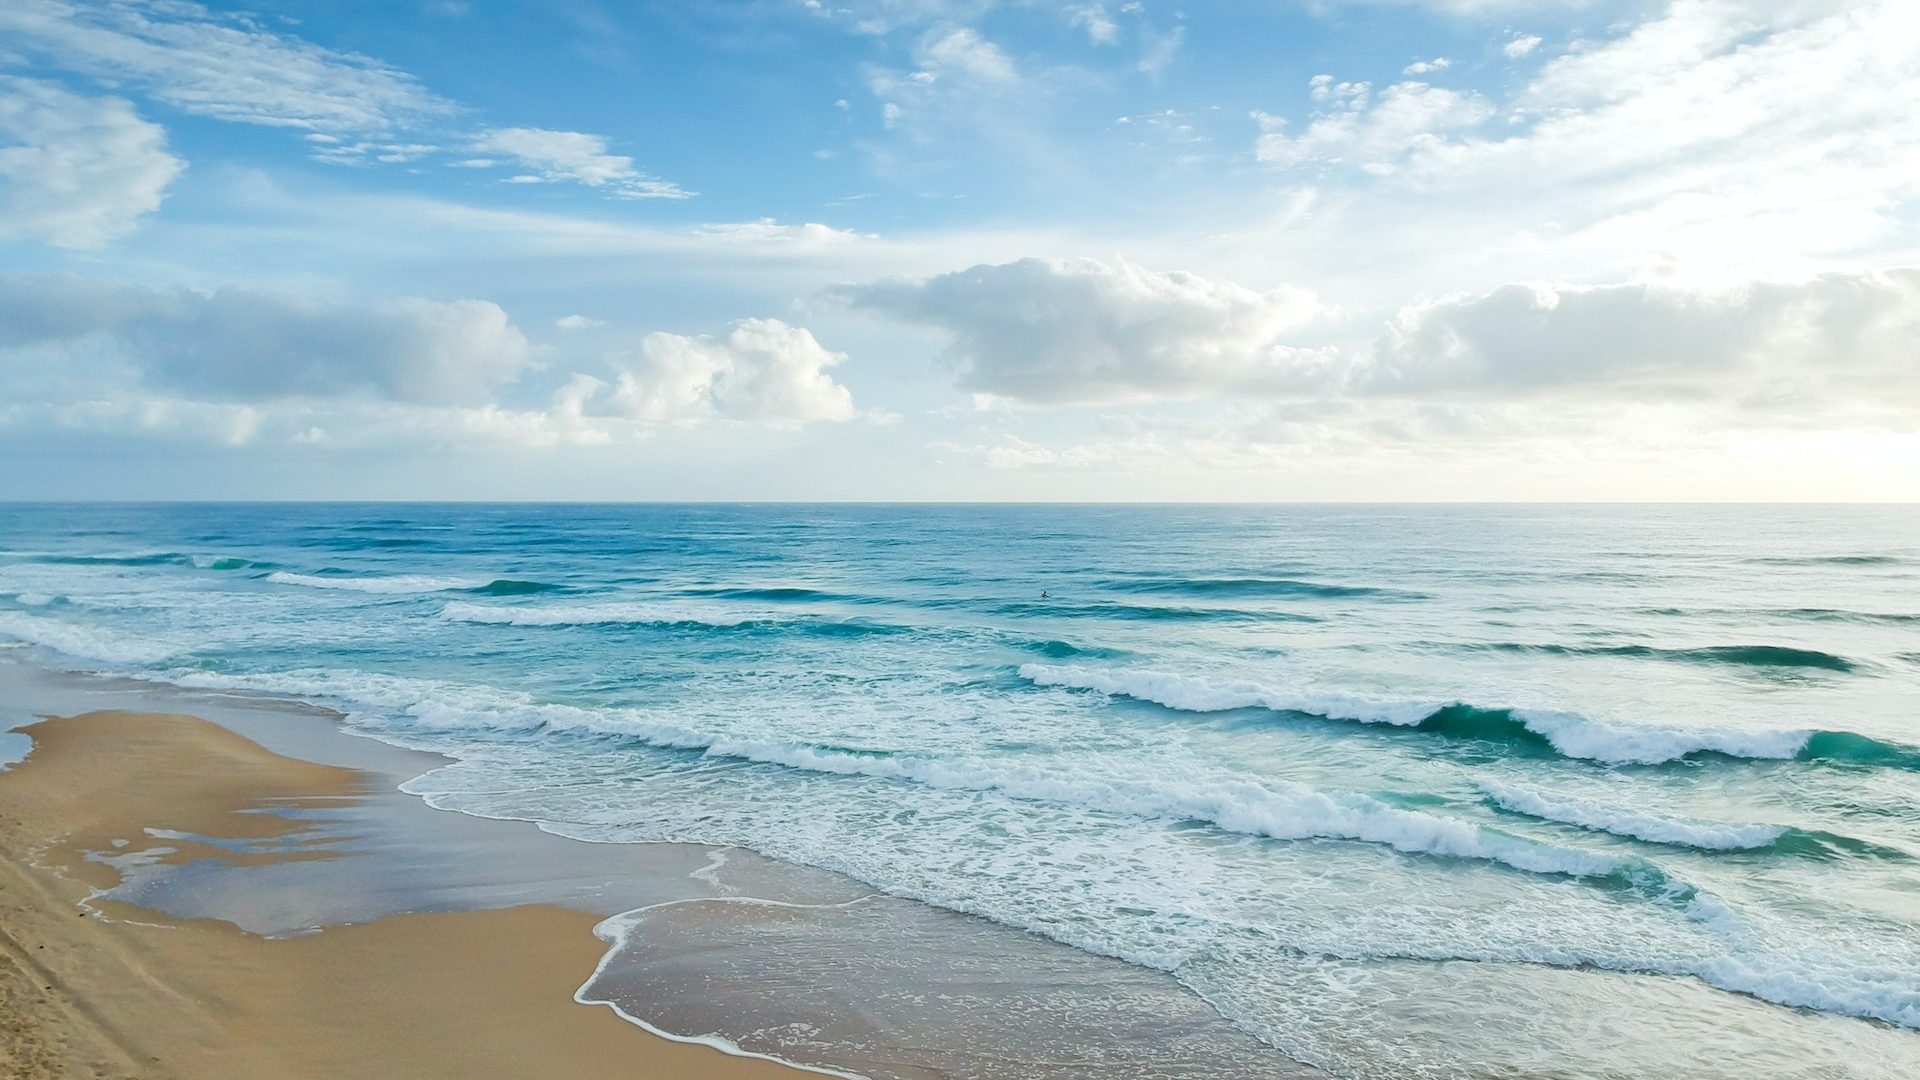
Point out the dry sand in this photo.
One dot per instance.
(98, 989)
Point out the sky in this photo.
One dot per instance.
(1223, 250)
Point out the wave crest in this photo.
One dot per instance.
(1634, 824)
(1280, 810)
(395, 584)
(516, 587)
(1565, 733)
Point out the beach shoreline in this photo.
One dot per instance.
(94, 986)
(719, 959)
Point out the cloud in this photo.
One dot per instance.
(574, 156)
(810, 234)
(1834, 340)
(212, 65)
(1067, 331)
(1520, 45)
(761, 370)
(571, 323)
(1725, 139)
(243, 366)
(355, 110)
(960, 52)
(1093, 18)
(1423, 67)
(960, 82)
(76, 171)
(220, 423)
(1082, 331)
(1374, 134)
(241, 345)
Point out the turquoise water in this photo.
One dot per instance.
(1401, 791)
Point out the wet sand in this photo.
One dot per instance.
(94, 987)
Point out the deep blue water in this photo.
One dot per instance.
(1400, 790)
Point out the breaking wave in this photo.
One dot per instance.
(1565, 733)
(395, 584)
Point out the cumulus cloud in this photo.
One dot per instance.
(248, 345)
(761, 369)
(225, 67)
(243, 366)
(1057, 332)
(76, 171)
(577, 157)
(1424, 67)
(1060, 331)
(1834, 339)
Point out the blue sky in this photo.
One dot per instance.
(960, 249)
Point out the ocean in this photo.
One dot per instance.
(1399, 791)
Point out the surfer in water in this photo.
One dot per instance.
(1045, 595)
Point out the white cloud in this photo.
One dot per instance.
(242, 345)
(1520, 45)
(769, 231)
(760, 370)
(1063, 331)
(1424, 67)
(1721, 138)
(239, 366)
(1374, 134)
(1834, 345)
(218, 66)
(571, 323)
(76, 171)
(1833, 341)
(1093, 18)
(574, 156)
(221, 423)
(1171, 125)
(960, 81)
(960, 52)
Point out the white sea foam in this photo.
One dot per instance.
(618, 930)
(1638, 824)
(82, 642)
(1571, 734)
(1275, 809)
(1746, 963)
(396, 584)
(1650, 744)
(1189, 693)
(637, 614)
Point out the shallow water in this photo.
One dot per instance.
(1401, 791)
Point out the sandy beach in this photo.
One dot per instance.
(91, 987)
